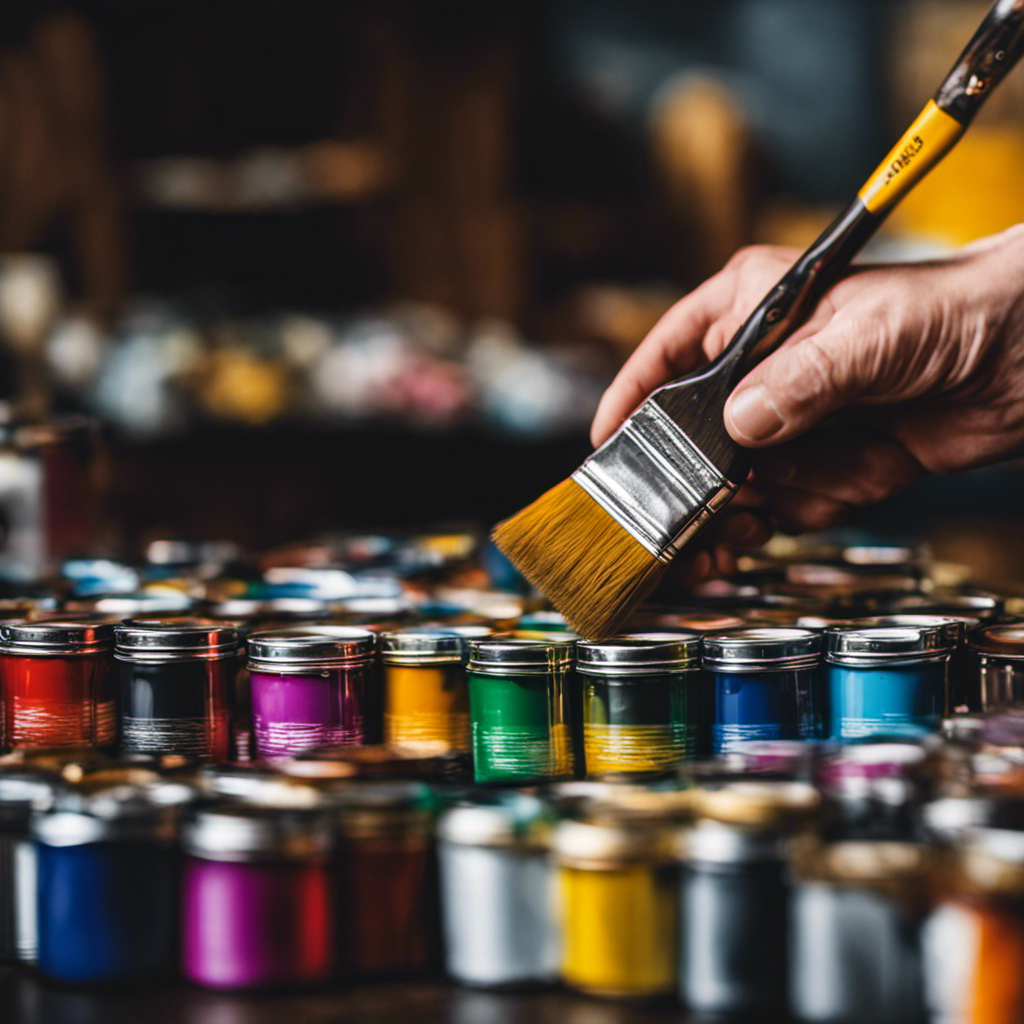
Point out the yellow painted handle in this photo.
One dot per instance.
(922, 146)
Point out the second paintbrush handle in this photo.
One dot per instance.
(993, 50)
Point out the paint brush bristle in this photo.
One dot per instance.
(592, 569)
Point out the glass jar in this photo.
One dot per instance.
(974, 938)
(641, 701)
(310, 687)
(886, 681)
(57, 683)
(520, 709)
(257, 892)
(426, 697)
(496, 892)
(387, 882)
(857, 914)
(23, 792)
(998, 661)
(734, 892)
(107, 887)
(177, 685)
(616, 883)
(765, 684)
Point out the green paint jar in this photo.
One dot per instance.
(519, 707)
(641, 701)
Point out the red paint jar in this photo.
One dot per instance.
(57, 682)
(386, 884)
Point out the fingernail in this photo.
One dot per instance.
(754, 414)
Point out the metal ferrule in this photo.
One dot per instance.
(654, 482)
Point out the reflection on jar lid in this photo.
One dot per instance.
(51, 637)
(877, 645)
(638, 654)
(169, 639)
(765, 648)
(1006, 641)
(305, 648)
(506, 655)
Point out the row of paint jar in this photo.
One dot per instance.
(742, 914)
(531, 708)
(127, 877)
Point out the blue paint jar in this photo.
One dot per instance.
(107, 890)
(765, 685)
(886, 681)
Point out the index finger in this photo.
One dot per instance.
(672, 348)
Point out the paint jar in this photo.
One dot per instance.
(641, 698)
(765, 685)
(734, 892)
(425, 762)
(426, 697)
(520, 709)
(387, 881)
(873, 789)
(974, 938)
(997, 656)
(885, 681)
(177, 682)
(107, 887)
(257, 898)
(23, 792)
(496, 906)
(616, 885)
(310, 687)
(57, 683)
(855, 947)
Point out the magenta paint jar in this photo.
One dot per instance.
(310, 688)
(257, 898)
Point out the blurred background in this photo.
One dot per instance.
(307, 265)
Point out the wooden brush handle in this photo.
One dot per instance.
(993, 50)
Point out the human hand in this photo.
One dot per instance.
(901, 370)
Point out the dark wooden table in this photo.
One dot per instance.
(26, 1000)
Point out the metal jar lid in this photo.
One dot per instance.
(24, 791)
(423, 646)
(1000, 641)
(719, 842)
(306, 649)
(860, 863)
(992, 860)
(174, 639)
(244, 832)
(952, 628)
(116, 814)
(50, 638)
(757, 803)
(397, 811)
(866, 646)
(520, 656)
(977, 606)
(639, 654)
(762, 649)
(607, 843)
(428, 762)
(503, 820)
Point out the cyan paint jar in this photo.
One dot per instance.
(765, 685)
(886, 681)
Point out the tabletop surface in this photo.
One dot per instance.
(26, 1000)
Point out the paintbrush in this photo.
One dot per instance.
(597, 543)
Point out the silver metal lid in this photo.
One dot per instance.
(952, 628)
(173, 639)
(883, 645)
(608, 843)
(514, 819)
(116, 813)
(312, 647)
(717, 842)
(639, 654)
(422, 645)
(505, 656)
(242, 832)
(24, 791)
(47, 638)
(762, 649)
(1000, 641)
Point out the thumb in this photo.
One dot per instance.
(798, 386)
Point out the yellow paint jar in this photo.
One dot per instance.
(426, 698)
(618, 900)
